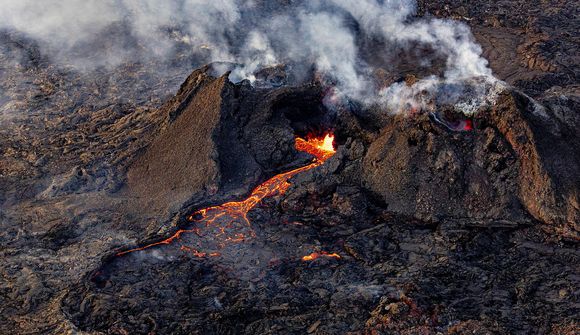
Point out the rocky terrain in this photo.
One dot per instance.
(437, 229)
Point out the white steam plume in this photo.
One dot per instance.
(256, 34)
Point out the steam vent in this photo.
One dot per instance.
(358, 167)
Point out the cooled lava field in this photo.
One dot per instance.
(290, 167)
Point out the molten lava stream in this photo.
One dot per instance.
(316, 255)
(220, 225)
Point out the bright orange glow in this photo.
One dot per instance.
(321, 148)
(228, 222)
(327, 143)
(316, 255)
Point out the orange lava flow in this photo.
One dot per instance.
(316, 255)
(226, 222)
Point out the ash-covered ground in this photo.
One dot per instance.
(444, 222)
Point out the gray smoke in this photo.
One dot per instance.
(326, 34)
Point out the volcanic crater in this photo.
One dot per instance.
(432, 222)
(280, 206)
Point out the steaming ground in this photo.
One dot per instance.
(331, 37)
(327, 34)
(86, 104)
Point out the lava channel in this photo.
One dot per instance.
(217, 226)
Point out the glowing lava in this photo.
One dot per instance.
(321, 148)
(316, 255)
(228, 223)
(454, 125)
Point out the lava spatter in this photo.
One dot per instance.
(217, 226)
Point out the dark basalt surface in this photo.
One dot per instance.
(439, 231)
(506, 169)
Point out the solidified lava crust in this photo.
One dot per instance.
(228, 223)
(147, 198)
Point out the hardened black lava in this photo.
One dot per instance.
(426, 223)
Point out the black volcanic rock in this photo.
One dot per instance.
(439, 232)
(528, 44)
(519, 162)
(183, 159)
(437, 229)
(548, 153)
(219, 139)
